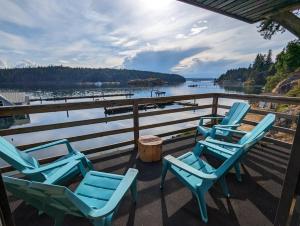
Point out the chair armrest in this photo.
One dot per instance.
(209, 117)
(117, 196)
(174, 161)
(52, 165)
(217, 127)
(51, 144)
(62, 171)
(222, 143)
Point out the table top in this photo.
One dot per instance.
(150, 140)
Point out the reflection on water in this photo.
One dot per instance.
(57, 117)
(16, 120)
(244, 89)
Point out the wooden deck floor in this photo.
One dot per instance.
(252, 202)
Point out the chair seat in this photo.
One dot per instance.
(97, 188)
(192, 160)
(221, 154)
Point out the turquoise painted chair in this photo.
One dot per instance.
(232, 119)
(96, 198)
(30, 167)
(199, 176)
(265, 124)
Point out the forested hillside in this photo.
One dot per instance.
(281, 76)
(255, 74)
(60, 75)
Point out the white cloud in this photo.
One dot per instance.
(12, 12)
(3, 63)
(197, 30)
(105, 33)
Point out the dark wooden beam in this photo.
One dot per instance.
(290, 182)
(289, 21)
(5, 213)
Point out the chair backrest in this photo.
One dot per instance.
(258, 132)
(16, 158)
(45, 196)
(249, 139)
(236, 113)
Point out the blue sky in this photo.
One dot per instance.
(158, 35)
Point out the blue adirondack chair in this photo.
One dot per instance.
(265, 125)
(232, 119)
(199, 176)
(96, 198)
(30, 167)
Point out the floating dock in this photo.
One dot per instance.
(129, 108)
(127, 95)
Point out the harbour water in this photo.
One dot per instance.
(57, 117)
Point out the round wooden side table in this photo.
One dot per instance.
(150, 148)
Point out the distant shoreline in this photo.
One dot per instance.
(62, 76)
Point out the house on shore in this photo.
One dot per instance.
(10, 99)
(13, 98)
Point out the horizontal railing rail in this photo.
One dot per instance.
(137, 114)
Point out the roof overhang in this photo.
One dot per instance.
(250, 11)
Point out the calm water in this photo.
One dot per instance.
(56, 117)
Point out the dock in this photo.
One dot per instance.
(187, 104)
(129, 108)
(127, 95)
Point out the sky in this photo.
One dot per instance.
(154, 35)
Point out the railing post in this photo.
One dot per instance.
(290, 182)
(214, 110)
(136, 128)
(5, 213)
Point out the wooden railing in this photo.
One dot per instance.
(215, 103)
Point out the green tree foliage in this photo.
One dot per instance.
(255, 74)
(264, 71)
(286, 62)
(59, 75)
(268, 28)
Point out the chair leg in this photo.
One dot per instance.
(100, 222)
(59, 220)
(163, 173)
(195, 137)
(202, 205)
(224, 186)
(133, 190)
(238, 172)
(108, 221)
(89, 165)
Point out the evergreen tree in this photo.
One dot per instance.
(269, 60)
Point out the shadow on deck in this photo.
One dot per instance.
(252, 202)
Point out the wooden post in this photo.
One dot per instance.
(5, 213)
(136, 124)
(290, 182)
(214, 109)
(289, 21)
